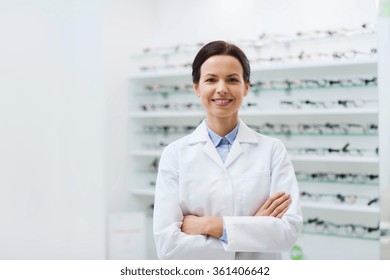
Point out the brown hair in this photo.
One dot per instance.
(219, 48)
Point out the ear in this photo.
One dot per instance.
(247, 86)
(196, 89)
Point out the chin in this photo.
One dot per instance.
(223, 114)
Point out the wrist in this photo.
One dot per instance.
(213, 226)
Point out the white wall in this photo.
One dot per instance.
(128, 25)
(51, 130)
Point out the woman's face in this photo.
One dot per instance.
(221, 86)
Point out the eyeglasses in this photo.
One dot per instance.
(173, 49)
(317, 225)
(338, 198)
(289, 85)
(342, 178)
(338, 128)
(165, 67)
(344, 103)
(316, 128)
(169, 88)
(363, 29)
(344, 151)
(303, 56)
(267, 39)
(168, 129)
(154, 146)
(171, 107)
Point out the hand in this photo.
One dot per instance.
(275, 206)
(192, 225)
(208, 225)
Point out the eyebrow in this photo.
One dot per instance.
(230, 75)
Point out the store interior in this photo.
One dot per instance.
(94, 90)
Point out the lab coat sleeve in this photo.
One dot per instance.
(171, 242)
(269, 234)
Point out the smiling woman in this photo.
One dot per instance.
(225, 191)
(221, 77)
(221, 89)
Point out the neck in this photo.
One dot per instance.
(222, 126)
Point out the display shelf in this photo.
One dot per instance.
(372, 160)
(274, 134)
(168, 114)
(342, 159)
(319, 134)
(340, 236)
(311, 183)
(256, 68)
(339, 112)
(256, 90)
(259, 113)
(340, 207)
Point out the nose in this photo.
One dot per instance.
(221, 88)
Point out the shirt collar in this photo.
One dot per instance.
(231, 136)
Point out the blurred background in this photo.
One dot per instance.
(92, 90)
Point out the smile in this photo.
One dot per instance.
(222, 102)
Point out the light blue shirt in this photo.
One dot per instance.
(223, 146)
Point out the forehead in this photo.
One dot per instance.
(221, 65)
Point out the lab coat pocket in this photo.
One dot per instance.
(251, 191)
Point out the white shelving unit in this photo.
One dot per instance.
(146, 146)
(253, 113)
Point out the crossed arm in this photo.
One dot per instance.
(275, 206)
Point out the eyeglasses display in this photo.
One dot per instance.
(268, 39)
(265, 39)
(168, 129)
(154, 146)
(338, 198)
(173, 49)
(320, 104)
(171, 107)
(166, 67)
(316, 56)
(343, 151)
(337, 177)
(316, 129)
(299, 84)
(318, 226)
(284, 104)
(299, 57)
(270, 85)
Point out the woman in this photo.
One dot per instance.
(225, 191)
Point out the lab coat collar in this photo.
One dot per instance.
(244, 135)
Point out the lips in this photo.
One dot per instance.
(222, 101)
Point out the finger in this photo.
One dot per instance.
(282, 214)
(278, 202)
(282, 207)
(271, 199)
(271, 203)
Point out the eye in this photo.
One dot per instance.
(232, 80)
(210, 80)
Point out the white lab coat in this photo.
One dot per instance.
(192, 179)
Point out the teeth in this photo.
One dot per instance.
(221, 102)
